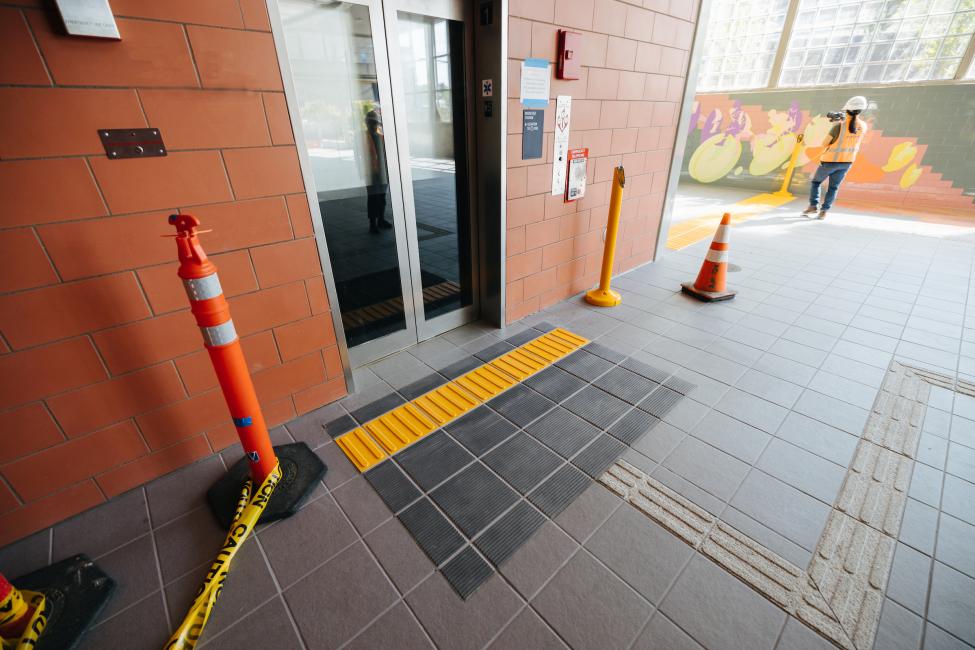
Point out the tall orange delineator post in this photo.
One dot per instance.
(712, 281)
(603, 295)
(300, 467)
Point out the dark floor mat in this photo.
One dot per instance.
(660, 401)
(596, 406)
(493, 351)
(600, 454)
(458, 368)
(646, 370)
(563, 432)
(521, 405)
(422, 386)
(392, 485)
(506, 535)
(584, 365)
(559, 490)
(474, 498)
(431, 530)
(481, 430)
(466, 572)
(523, 337)
(341, 424)
(433, 459)
(605, 352)
(378, 407)
(555, 383)
(632, 426)
(523, 462)
(626, 385)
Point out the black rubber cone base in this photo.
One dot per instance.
(301, 471)
(706, 296)
(76, 591)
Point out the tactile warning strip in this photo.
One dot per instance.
(399, 428)
(841, 594)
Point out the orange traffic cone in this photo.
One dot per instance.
(711, 283)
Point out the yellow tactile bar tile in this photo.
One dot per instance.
(446, 403)
(360, 448)
(389, 433)
(399, 428)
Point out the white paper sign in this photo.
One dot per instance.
(487, 87)
(535, 76)
(88, 18)
(563, 111)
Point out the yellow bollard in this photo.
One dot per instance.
(784, 190)
(603, 296)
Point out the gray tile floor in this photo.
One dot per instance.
(783, 378)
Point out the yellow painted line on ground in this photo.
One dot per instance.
(690, 231)
(360, 448)
(384, 436)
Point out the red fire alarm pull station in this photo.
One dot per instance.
(569, 65)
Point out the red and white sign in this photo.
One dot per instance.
(575, 185)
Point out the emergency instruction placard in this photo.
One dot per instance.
(563, 111)
(576, 184)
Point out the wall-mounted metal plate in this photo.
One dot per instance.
(132, 143)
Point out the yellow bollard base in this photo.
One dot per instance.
(600, 298)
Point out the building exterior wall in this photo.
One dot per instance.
(104, 382)
(625, 109)
(915, 156)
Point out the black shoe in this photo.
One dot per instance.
(385, 225)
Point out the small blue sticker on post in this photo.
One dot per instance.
(535, 78)
(245, 421)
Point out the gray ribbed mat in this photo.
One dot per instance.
(474, 498)
(626, 385)
(646, 370)
(422, 386)
(431, 530)
(554, 383)
(474, 492)
(584, 365)
(340, 425)
(521, 404)
(392, 485)
(660, 401)
(433, 459)
(466, 572)
(480, 430)
(559, 490)
(603, 452)
(458, 368)
(563, 432)
(494, 351)
(381, 406)
(679, 385)
(604, 351)
(632, 426)
(523, 337)
(523, 462)
(507, 534)
(597, 406)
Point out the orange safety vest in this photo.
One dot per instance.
(847, 144)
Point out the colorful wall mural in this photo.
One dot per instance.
(916, 154)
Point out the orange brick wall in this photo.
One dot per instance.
(624, 108)
(104, 383)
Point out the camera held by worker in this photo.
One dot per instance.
(841, 148)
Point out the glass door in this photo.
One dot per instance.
(428, 45)
(381, 91)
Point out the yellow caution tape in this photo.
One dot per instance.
(38, 618)
(249, 509)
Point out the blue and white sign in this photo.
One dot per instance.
(535, 77)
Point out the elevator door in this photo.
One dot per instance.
(381, 89)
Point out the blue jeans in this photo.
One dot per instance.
(835, 172)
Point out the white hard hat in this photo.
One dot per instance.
(857, 103)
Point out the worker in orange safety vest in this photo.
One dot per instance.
(841, 150)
